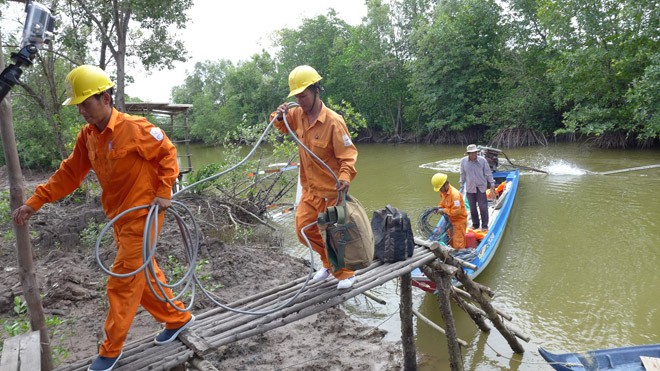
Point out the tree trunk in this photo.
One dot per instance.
(123, 18)
(23, 245)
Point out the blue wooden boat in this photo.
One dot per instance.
(498, 212)
(624, 358)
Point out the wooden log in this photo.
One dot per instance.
(466, 295)
(443, 252)
(200, 364)
(155, 357)
(374, 297)
(474, 313)
(490, 311)
(444, 288)
(434, 326)
(195, 342)
(407, 333)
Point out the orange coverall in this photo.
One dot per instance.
(134, 162)
(453, 205)
(329, 139)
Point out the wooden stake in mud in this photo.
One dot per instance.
(490, 311)
(443, 284)
(23, 245)
(407, 333)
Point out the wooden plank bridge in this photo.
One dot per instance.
(218, 327)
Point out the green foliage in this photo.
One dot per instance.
(228, 98)
(176, 271)
(456, 67)
(201, 174)
(644, 98)
(412, 66)
(354, 120)
(22, 323)
(242, 234)
(601, 51)
(5, 208)
(90, 234)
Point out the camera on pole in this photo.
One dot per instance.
(37, 31)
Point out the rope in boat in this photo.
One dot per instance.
(423, 224)
(191, 240)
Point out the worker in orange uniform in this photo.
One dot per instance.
(452, 205)
(136, 164)
(324, 132)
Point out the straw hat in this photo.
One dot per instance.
(471, 148)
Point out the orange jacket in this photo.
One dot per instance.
(453, 205)
(329, 139)
(134, 162)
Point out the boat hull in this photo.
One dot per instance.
(486, 249)
(624, 358)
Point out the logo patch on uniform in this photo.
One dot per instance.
(457, 203)
(347, 140)
(157, 133)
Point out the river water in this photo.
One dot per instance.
(578, 267)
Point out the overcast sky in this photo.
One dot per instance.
(236, 30)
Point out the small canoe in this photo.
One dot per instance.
(630, 358)
(498, 212)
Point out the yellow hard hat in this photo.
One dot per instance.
(83, 82)
(438, 180)
(300, 78)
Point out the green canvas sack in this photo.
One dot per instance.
(349, 240)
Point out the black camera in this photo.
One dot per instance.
(39, 25)
(37, 31)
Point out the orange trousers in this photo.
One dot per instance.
(307, 212)
(457, 234)
(125, 294)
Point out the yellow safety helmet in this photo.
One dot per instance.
(300, 78)
(83, 82)
(438, 180)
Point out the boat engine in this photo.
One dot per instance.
(492, 156)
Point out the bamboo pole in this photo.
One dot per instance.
(232, 320)
(475, 313)
(275, 296)
(407, 333)
(434, 326)
(316, 302)
(373, 297)
(26, 269)
(443, 252)
(490, 311)
(465, 295)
